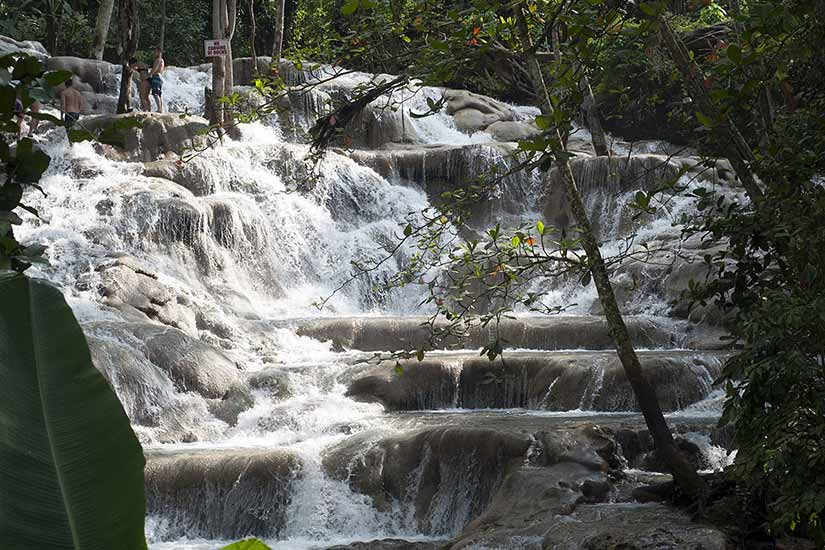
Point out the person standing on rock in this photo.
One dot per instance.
(155, 82)
(20, 114)
(72, 104)
(35, 122)
(143, 83)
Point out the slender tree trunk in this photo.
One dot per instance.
(731, 142)
(129, 28)
(51, 26)
(229, 75)
(162, 24)
(593, 118)
(685, 476)
(278, 36)
(104, 19)
(218, 63)
(252, 33)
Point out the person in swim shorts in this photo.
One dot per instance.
(155, 81)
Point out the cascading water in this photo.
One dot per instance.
(190, 294)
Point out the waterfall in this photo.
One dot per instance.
(195, 285)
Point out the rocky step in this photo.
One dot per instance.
(441, 471)
(221, 494)
(534, 333)
(448, 476)
(553, 381)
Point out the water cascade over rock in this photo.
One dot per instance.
(261, 415)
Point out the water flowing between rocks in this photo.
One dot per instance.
(261, 415)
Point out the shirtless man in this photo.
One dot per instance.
(71, 103)
(155, 82)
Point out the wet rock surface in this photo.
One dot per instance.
(551, 381)
(229, 494)
(632, 527)
(155, 134)
(545, 333)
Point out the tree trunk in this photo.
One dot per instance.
(278, 36)
(162, 24)
(104, 19)
(592, 116)
(229, 74)
(686, 477)
(51, 26)
(731, 142)
(218, 62)
(129, 28)
(252, 33)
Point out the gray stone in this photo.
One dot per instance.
(101, 76)
(30, 47)
(127, 286)
(535, 380)
(505, 130)
(548, 333)
(632, 527)
(222, 495)
(156, 136)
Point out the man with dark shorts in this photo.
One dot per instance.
(155, 82)
(71, 104)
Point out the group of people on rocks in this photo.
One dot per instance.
(149, 81)
(72, 102)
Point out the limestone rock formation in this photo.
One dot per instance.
(548, 333)
(100, 76)
(632, 527)
(552, 381)
(474, 112)
(128, 286)
(30, 47)
(155, 135)
(222, 494)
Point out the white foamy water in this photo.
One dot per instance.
(233, 257)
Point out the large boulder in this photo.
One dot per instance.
(509, 130)
(29, 47)
(191, 364)
(128, 286)
(149, 136)
(194, 174)
(100, 76)
(474, 112)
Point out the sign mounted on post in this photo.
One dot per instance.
(216, 48)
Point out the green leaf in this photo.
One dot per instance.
(704, 120)
(56, 78)
(408, 230)
(349, 7)
(540, 227)
(734, 53)
(248, 544)
(71, 469)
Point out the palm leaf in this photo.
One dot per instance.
(71, 468)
